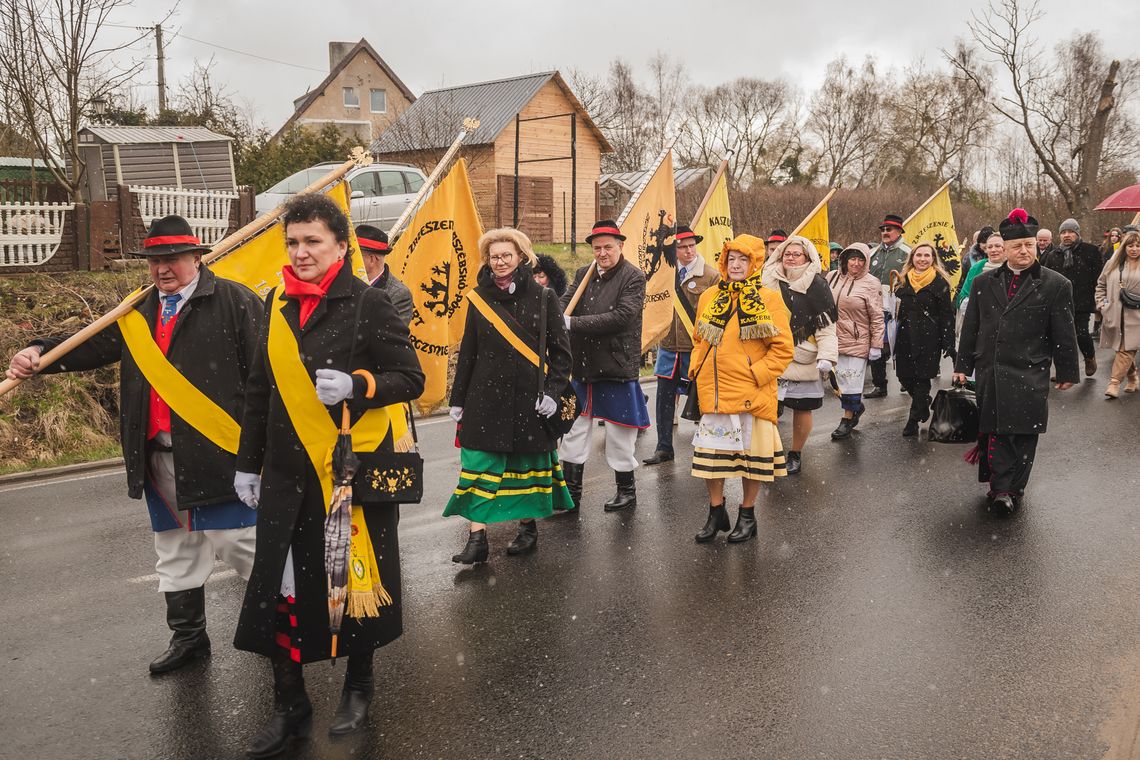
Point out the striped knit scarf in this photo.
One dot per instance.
(755, 321)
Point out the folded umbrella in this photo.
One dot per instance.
(338, 526)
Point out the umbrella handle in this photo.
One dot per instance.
(345, 419)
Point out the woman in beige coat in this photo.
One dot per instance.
(1120, 328)
(859, 330)
(796, 274)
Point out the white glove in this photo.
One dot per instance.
(546, 406)
(824, 367)
(456, 413)
(876, 354)
(247, 485)
(333, 386)
(566, 321)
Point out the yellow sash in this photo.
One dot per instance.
(318, 434)
(185, 400)
(684, 315)
(497, 322)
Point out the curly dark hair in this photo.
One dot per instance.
(313, 207)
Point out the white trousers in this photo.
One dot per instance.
(620, 441)
(186, 558)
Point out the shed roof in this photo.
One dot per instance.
(15, 162)
(433, 120)
(139, 135)
(630, 180)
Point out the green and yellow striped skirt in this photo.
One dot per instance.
(496, 487)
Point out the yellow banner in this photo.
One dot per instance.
(714, 223)
(934, 223)
(815, 229)
(257, 263)
(649, 224)
(437, 257)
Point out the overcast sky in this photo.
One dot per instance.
(431, 43)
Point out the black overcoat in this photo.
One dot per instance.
(213, 343)
(925, 329)
(1010, 345)
(1083, 271)
(605, 329)
(494, 384)
(292, 509)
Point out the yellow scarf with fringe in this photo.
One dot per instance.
(919, 281)
(755, 321)
(318, 434)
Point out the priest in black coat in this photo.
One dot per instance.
(1019, 322)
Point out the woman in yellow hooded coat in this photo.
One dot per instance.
(742, 344)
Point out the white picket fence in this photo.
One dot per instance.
(30, 233)
(207, 211)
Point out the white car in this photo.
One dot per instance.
(380, 192)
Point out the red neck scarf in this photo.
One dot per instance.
(308, 294)
(504, 282)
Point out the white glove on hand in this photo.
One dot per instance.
(824, 367)
(456, 413)
(333, 386)
(247, 485)
(876, 354)
(566, 321)
(546, 406)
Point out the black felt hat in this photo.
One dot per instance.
(777, 236)
(170, 235)
(1018, 225)
(605, 227)
(892, 220)
(372, 240)
(684, 232)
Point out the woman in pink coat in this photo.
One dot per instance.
(859, 330)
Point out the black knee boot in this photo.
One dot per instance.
(626, 492)
(186, 616)
(355, 697)
(292, 711)
(573, 473)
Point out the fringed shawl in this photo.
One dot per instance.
(743, 298)
(811, 310)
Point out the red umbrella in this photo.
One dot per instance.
(1127, 199)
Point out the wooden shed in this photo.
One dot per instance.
(532, 125)
(178, 157)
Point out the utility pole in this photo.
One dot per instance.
(161, 68)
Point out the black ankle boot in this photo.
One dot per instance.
(626, 492)
(475, 550)
(794, 463)
(910, 430)
(573, 473)
(527, 539)
(186, 616)
(355, 697)
(745, 525)
(718, 521)
(292, 711)
(846, 425)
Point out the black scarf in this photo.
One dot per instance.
(812, 310)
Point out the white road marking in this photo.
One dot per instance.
(60, 480)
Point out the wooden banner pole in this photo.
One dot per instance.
(712, 188)
(469, 126)
(926, 202)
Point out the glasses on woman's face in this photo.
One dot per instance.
(504, 258)
(795, 255)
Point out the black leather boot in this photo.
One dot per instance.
(843, 430)
(718, 521)
(475, 550)
(355, 697)
(626, 492)
(794, 463)
(186, 616)
(745, 525)
(910, 430)
(527, 539)
(573, 473)
(292, 711)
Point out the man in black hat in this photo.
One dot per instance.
(889, 256)
(773, 242)
(1019, 321)
(605, 340)
(184, 353)
(693, 277)
(374, 251)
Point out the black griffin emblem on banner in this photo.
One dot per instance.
(659, 244)
(946, 253)
(442, 293)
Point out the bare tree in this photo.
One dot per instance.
(1068, 143)
(55, 58)
(843, 123)
(668, 83)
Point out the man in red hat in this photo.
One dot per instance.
(889, 256)
(1019, 321)
(374, 251)
(605, 341)
(692, 278)
(179, 441)
(773, 242)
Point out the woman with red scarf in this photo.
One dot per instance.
(326, 334)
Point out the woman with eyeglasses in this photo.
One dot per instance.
(796, 274)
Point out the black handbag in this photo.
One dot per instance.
(569, 406)
(955, 417)
(387, 476)
(692, 409)
(1128, 299)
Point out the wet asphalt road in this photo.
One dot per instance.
(882, 613)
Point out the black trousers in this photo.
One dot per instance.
(666, 406)
(1006, 461)
(1084, 340)
(879, 372)
(919, 390)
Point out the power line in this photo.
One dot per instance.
(251, 55)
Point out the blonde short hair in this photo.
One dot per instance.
(506, 235)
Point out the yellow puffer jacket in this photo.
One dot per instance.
(740, 375)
